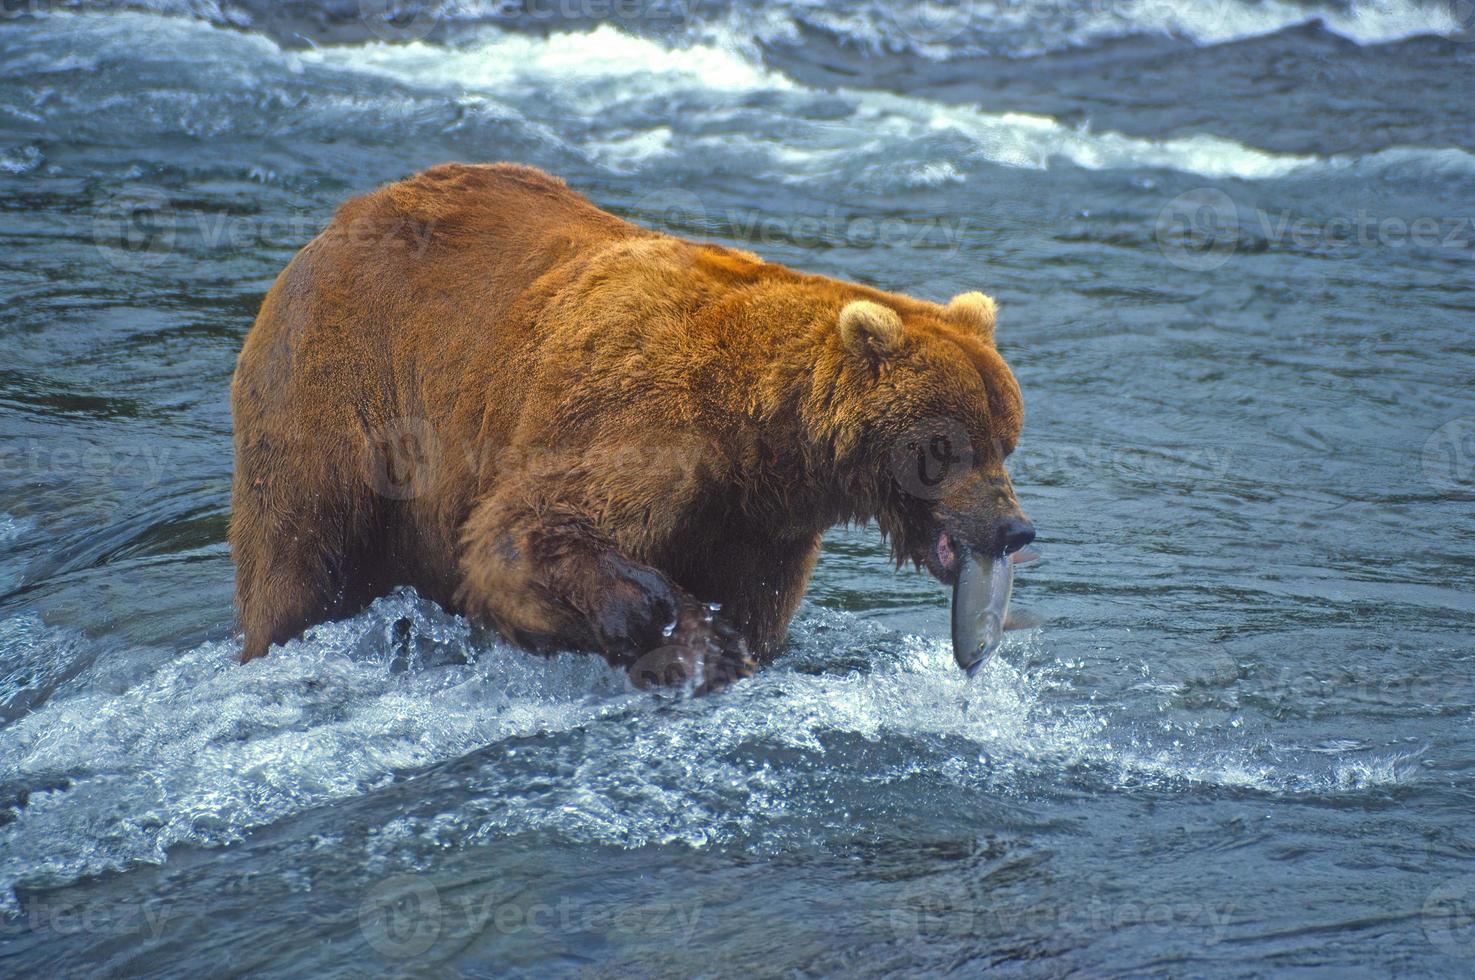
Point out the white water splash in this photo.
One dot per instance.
(1021, 28)
(202, 750)
(605, 95)
(603, 71)
(942, 29)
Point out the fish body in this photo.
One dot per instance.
(980, 609)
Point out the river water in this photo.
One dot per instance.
(1232, 244)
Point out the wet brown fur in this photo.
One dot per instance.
(579, 430)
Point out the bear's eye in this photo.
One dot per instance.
(990, 448)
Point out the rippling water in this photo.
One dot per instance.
(1233, 246)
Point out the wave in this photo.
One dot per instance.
(122, 762)
(607, 97)
(1020, 28)
(935, 29)
(609, 75)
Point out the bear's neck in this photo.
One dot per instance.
(785, 378)
(818, 454)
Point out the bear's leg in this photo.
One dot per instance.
(294, 553)
(278, 599)
(762, 580)
(547, 578)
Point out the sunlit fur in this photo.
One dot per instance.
(621, 423)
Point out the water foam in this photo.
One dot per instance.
(606, 74)
(942, 29)
(639, 66)
(606, 95)
(202, 750)
(1021, 28)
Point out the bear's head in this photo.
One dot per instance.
(923, 413)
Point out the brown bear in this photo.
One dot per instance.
(593, 436)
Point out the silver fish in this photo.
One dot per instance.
(980, 609)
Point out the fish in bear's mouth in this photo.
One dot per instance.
(982, 586)
(941, 559)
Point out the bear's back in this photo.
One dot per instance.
(458, 206)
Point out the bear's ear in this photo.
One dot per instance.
(870, 329)
(976, 310)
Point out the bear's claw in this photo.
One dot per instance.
(704, 654)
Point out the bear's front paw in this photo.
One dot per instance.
(703, 654)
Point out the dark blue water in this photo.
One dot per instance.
(1232, 245)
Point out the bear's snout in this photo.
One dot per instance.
(1013, 534)
(980, 515)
